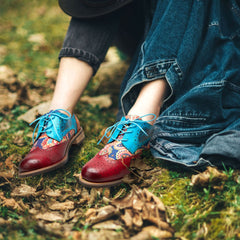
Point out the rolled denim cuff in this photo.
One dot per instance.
(83, 55)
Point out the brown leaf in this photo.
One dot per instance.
(121, 193)
(152, 231)
(55, 228)
(6, 175)
(77, 235)
(12, 204)
(7, 98)
(152, 198)
(9, 161)
(103, 101)
(142, 236)
(7, 75)
(93, 196)
(4, 126)
(36, 97)
(34, 112)
(23, 191)
(211, 175)
(37, 38)
(128, 218)
(122, 203)
(110, 224)
(61, 206)
(137, 219)
(50, 216)
(18, 139)
(39, 41)
(102, 235)
(52, 193)
(4, 222)
(51, 73)
(138, 163)
(101, 214)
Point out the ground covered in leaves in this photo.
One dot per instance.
(156, 201)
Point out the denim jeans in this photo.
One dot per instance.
(195, 46)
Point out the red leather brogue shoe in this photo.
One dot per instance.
(57, 131)
(127, 140)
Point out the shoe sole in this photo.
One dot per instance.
(99, 184)
(76, 140)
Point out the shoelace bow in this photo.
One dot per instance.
(45, 119)
(127, 124)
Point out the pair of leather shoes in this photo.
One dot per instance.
(57, 131)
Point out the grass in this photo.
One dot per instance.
(195, 213)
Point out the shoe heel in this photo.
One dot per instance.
(79, 138)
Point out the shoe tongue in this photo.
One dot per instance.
(128, 117)
(57, 122)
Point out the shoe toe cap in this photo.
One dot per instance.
(100, 169)
(29, 165)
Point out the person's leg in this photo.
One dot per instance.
(73, 77)
(150, 99)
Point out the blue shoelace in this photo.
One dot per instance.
(128, 124)
(48, 118)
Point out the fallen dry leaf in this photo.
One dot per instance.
(51, 73)
(61, 206)
(37, 38)
(6, 175)
(52, 193)
(151, 231)
(150, 197)
(12, 204)
(102, 235)
(4, 126)
(110, 224)
(211, 175)
(93, 196)
(50, 216)
(138, 163)
(84, 197)
(7, 75)
(23, 191)
(55, 228)
(4, 222)
(137, 219)
(9, 161)
(137, 209)
(142, 236)
(97, 215)
(36, 97)
(127, 218)
(103, 101)
(34, 112)
(18, 139)
(7, 99)
(125, 202)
